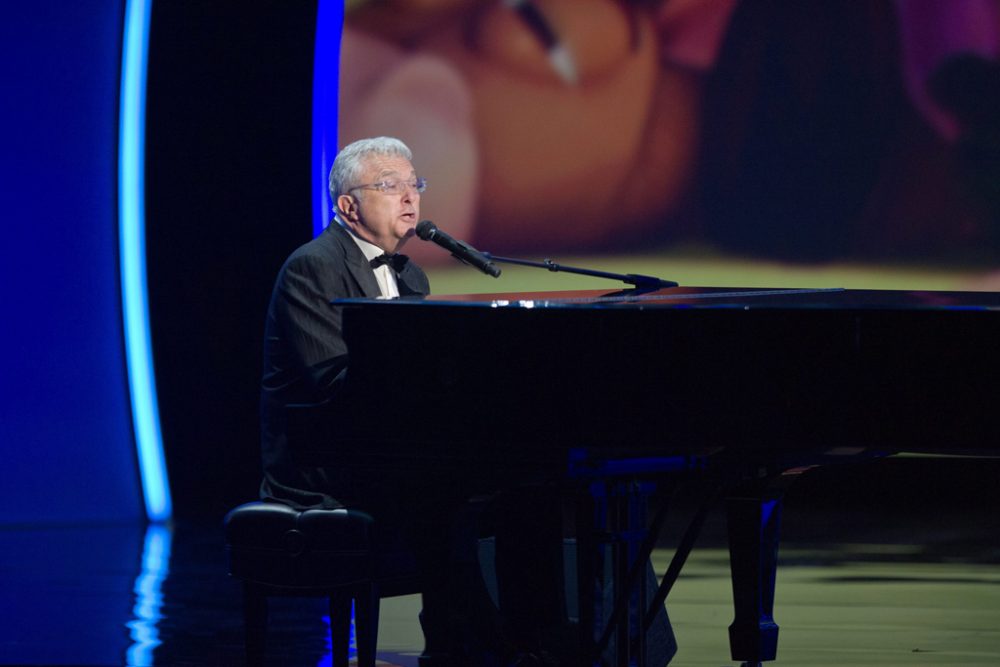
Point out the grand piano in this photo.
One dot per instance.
(605, 393)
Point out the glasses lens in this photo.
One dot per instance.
(398, 187)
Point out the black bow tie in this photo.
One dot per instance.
(395, 261)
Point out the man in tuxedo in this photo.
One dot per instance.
(376, 193)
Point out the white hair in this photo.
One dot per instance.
(349, 162)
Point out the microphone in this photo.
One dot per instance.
(460, 250)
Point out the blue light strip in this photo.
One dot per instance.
(326, 81)
(132, 252)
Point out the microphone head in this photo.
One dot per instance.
(426, 229)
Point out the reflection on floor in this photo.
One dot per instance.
(906, 587)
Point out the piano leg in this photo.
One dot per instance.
(754, 515)
(610, 531)
(589, 563)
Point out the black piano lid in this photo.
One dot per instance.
(718, 297)
(754, 368)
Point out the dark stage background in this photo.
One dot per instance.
(229, 195)
(848, 144)
(229, 191)
(228, 198)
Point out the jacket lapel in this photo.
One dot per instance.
(356, 263)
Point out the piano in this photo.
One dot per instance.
(589, 387)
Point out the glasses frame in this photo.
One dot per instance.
(395, 186)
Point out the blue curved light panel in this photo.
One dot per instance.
(132, 250)
(326, 81)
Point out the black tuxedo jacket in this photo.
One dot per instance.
(305, 355)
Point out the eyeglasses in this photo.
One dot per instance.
(395, 186)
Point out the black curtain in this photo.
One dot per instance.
(228, 197)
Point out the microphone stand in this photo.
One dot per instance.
(638, 281)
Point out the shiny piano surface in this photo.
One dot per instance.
(759, 380)
(683, 369)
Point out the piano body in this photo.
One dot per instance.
(590, 387)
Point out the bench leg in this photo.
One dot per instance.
(366, 610)
(254, 624)
(340, 627)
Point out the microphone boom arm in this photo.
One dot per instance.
(637, 280)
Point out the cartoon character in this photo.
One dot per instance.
(568, 123)
(801, 131)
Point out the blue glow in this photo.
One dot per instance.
(148, 590)
(132, 251)
(767, 510)
(352, 647)
(326, 80)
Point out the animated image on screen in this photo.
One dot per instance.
(802, 132)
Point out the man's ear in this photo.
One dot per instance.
(347, 208)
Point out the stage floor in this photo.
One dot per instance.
(902, 585)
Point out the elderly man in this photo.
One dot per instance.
(377, 198)
(377, 203)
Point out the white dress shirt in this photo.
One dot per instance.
(383, 274)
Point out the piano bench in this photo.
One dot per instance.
(276, 550)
